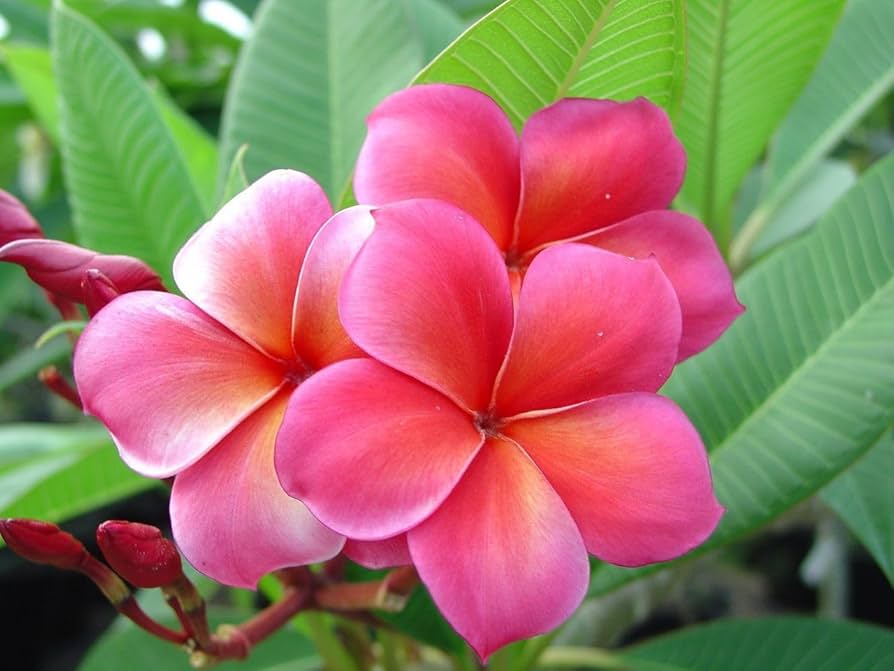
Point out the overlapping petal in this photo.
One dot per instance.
(501, 557)
(370, 451)
(429, 295)
(242, 267)
(385, 553)
(589, 323)
(587, 164)
(167, 380)
(632, 471)
(318, 336)
(230, 517)
(452, 143)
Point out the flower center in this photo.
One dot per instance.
(488, 423)
(296, 371)
(513, 259)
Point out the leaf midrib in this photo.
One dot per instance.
(584, 50)
(713, 125)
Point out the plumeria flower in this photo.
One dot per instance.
(592, 171)
(197, 388)
(495, 449)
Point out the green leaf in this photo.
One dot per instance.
(236, 179)
(527, 54)
(435, 26)
(800, 386)
(32, 69)
(28, 19)
(790, 643)
(307, 78)
(27, 362)
(130, 186)
(748, 60)
(854, 73)
(54, 471)
(864, 498)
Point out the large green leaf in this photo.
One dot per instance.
(29, 361)
(53, 471)
(748, 60)
(33, 71)
(789, 643)
(307, 78)
(854, 73)
(27, 19)
(864, 498)
(801, 385)
(131, 189)
(527, 54)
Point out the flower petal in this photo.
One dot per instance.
(633, 472)
(230, 517)
(589, 323)
(168, 381)
(319, 338)
(242, 266)
(16, 222)
(501, 557)
(380, 554)
(429, 295)
(451, 143)
(689, 257)
(587, 164)
(370, 451)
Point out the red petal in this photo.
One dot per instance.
(16, 222)
(632, 471)
(451, 143)
(380, 554)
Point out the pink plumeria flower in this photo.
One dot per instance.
(494, 449)
(197, 388)
(593, 171)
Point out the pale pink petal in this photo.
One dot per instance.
(632, 471)
(501, 557)
(447, 142)
(429, 295)
(380, 554)
(230, 517)
(242, 266)
(168, 381)
(370, 451)
(690, 259)
(587, 164)
(319, 338)
(589, 323)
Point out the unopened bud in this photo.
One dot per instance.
(139, 553)
(98, 290)
(43, 543)
(16, 222)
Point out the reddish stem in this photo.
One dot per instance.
(52, 379)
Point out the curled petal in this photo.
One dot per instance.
(370, 451)
(689, 257)
(451, 143)
(242, 266)
(230, 517)
(589, 323)
(168, 381)
(139, 553)
(501, 557)
(60, 267)
(429, 295)
(319, 338)
(98, 290)
(380, 554)
(16, 222)
(587, 164)
(632, 471)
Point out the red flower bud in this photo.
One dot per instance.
(43, 543)
(139, 553)
(15, 220)
(60, 267)
(98, 290)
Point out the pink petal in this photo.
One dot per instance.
(451, 143)
(168, 381)
(632, 471)
(380, 554)
(230, 517)
(60, 267)
(242, 266)
(319, 338)
(370, 451)
(501, 557)
(16, 221)
(429, 295)
(589, 323)
(590, 163)
(690, 259)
